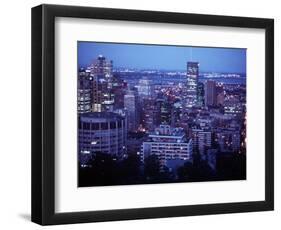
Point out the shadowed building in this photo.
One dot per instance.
(210, 93)
(131, 107)
(103, 132)
(200, 94)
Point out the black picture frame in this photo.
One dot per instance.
(43, 114)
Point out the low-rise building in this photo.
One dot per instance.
(169, 144)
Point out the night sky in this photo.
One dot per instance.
(164, 57)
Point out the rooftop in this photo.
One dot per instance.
(167, 132)
(100, 117)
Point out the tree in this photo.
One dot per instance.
(101, 171)
(129, 170)
(196, 171)
(152, 167)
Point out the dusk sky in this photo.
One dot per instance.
(163, 57)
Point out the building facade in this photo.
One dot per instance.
(145, 88)
(228, 139)
(163, 112)
(200, 94)
(169, 144)
(210, 93)
(202, 140)
(192, 75)
(84, 92)
(101, 71)
(103, 132)
(131, 108)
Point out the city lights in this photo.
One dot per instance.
(138, 125)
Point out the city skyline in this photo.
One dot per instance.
(145, 127)
(164, 57)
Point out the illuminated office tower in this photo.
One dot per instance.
(101, 71)
(192, 75)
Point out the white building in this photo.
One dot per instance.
(169, 144)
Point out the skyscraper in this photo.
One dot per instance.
(163, 113)
(200, 94)
(192, 75)
(210, 93)
(148, 114)
(84, 92)
(102, 66)
(131, 105)
(101, 71)
(220, 94)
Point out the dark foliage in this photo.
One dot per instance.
(231, 166)
(105, 170)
